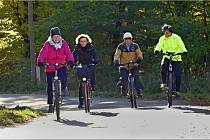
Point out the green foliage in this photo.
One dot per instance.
(105, 22)
(12, 116)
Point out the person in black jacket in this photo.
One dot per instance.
(86, 54)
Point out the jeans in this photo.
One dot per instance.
(176, 66)
(124, 73)
(62, 75)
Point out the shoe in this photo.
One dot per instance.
(93, 88)
(124, 93)
(119, 83)
(163, 86)
(80, 106)
(140, 94)
(65, 92)
(176, 93)
(50, 110)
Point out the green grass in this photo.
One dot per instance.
(17, 115)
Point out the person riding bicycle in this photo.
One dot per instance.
(86, 54)
(55, 50)
(170, 42)
(128, 51)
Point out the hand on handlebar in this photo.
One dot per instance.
(116, 63)
(41, 64)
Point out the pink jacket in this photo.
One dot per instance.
(49, 54)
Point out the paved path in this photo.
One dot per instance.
(111, 118)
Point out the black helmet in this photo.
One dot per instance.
(167, 27)
(55, 31)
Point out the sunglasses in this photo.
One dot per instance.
(128, 38)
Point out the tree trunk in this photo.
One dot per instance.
(31, 38)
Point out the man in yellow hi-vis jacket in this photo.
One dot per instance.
(126, 52)
(170, 42)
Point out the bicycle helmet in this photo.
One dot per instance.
(167, 27)
(55, 31)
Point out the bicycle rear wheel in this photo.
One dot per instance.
(57, 93)
(170, 89)
(132, 95)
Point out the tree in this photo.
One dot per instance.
(31, 38)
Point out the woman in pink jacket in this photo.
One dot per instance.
(55, 50)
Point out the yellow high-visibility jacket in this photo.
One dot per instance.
(173, 43)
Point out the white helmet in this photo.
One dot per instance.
(127, 35)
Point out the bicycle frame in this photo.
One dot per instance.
(56, 84)
(170, 77)
(131, 89)
(86, 87)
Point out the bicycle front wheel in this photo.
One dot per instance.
(57, 93)
(85, 94)
(170, 89)
(132, 94)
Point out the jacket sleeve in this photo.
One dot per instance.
(75, 54)
(117, 54)
(139, 53)
(96, 56)
(69, 55)
(158, 47)
(181, 45)
(42, 54)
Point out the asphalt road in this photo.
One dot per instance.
(111, 118)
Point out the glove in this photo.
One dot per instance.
(116, 63)
(70, 63)
(138, 60)
(40, 64)
(185, 54)
(157, 52)
(94, 62)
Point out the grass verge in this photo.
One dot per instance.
(17, 115)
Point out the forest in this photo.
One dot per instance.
(105, 22)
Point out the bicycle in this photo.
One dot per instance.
(85, 84)
(170, 78)
(56, 84)
(132, 93)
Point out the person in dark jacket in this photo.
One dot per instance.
(86, 54)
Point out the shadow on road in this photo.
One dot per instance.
(105, 114)
(194, 110)
(150, 108)
(74, 123)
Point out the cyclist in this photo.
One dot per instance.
(85, 54)
(129, 51)
(55, 50)
(170, 42)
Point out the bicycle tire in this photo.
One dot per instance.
(170, 89)
(133, 93)
(89, 96)
(57, 94)
(130, 91)
(84, 87)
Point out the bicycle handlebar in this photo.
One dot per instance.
(55, 65)
(128, 64)
(81, 66)
(171, 53)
